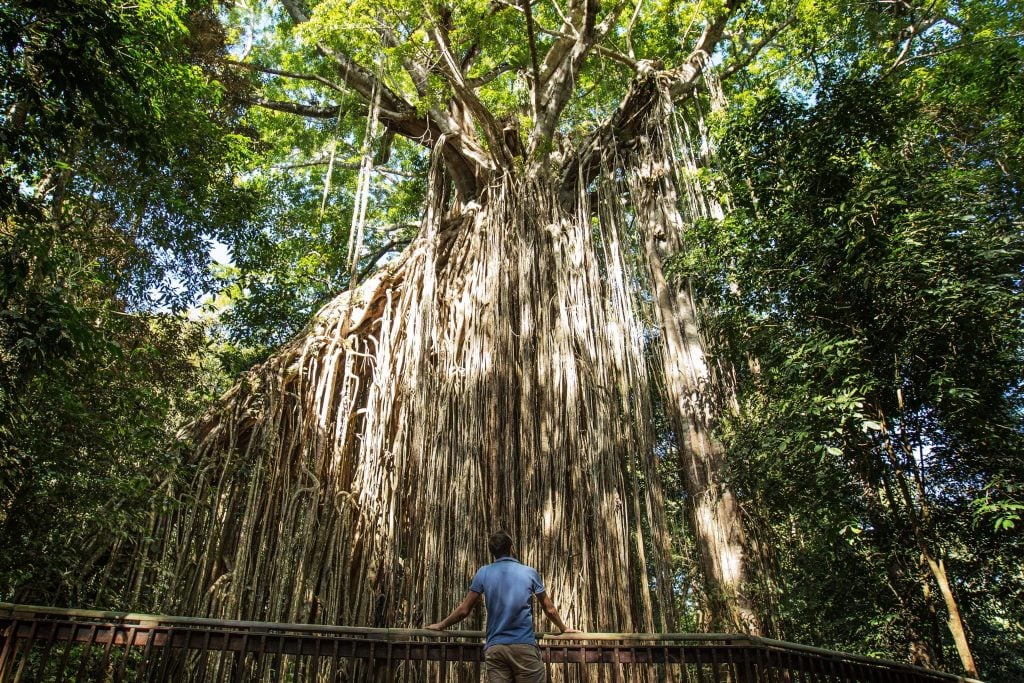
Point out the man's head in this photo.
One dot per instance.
(500, 544)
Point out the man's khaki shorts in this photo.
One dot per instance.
(517, 663)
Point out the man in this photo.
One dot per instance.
(510, 650)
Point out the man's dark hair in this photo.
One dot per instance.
(500, 544)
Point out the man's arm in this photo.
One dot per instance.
(464, 609)
(552, 613)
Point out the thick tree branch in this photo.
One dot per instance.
(294, 11)
(325, 160)
(601, 50)
(531, 39)
(485, 78)
(417, 72)
(467, 97)
(286, 74)
(311, 110)
(562, 64)
(357, 77)
(377, 255)
(621, 128)
(473, 51)
(463, 158)
(461, 165)
(684, 77)
(560, 49)
(909, 34)
(751, 53)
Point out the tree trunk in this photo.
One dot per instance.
(900, 458)
(714, 511)
(938, 570)
(954, 622)
(693, 396)
(493, 378)
(692, 402)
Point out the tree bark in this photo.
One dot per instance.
(898, 452)
(954, 622)
(713, 508)
(937, 566)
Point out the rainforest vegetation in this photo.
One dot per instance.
(714, 305)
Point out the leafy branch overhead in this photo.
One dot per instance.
(465, 74)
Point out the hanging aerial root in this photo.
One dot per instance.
(496, 376)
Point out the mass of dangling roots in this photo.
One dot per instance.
(498, 375)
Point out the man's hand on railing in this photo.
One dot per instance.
(569, 629)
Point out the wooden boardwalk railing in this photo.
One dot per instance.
(51, 644)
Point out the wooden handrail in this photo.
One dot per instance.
(17, 612)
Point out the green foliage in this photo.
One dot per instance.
(87, 443)
(114, 144)
(999, 505)
(868, 284)
(119, 132)
(296, 256)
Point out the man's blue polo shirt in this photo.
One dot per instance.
(508, 586)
